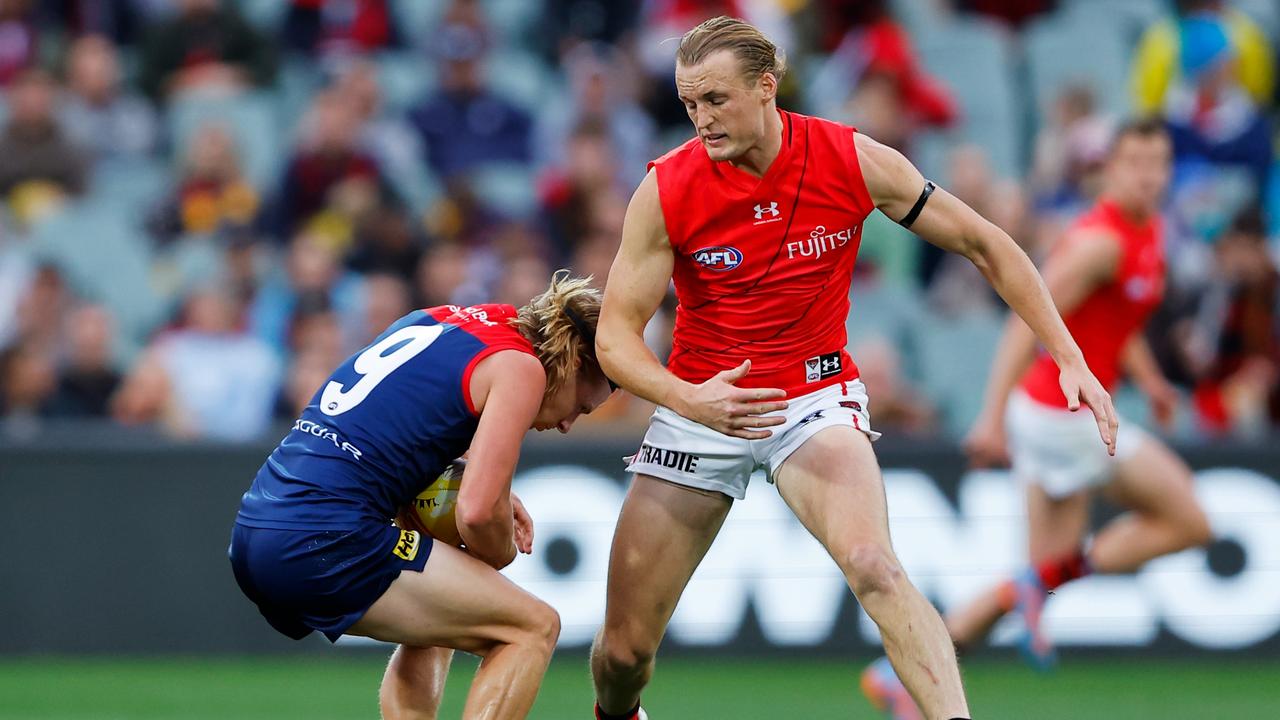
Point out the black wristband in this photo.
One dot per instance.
(929, 187)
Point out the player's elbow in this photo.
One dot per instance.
(476, 517)
(607, 344)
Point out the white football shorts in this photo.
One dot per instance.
(687, 453)
(1060, 450)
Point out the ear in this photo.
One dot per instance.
(769, 86)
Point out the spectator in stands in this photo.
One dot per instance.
(206, 47)
(122, 21)
(89, 376)
(1235, 334)
(1162, 52)
(312, 269)
(1068, 152)
(335, 30)
(97, 112)
(442, 272)
(1212, 118)
(330, 185)
(574, 195)
(958, 287)
(19, 39)
(897, 404)
(386, 298)
(41, 310)
(566, 23)
(208, 378)
(873, 79)
(212, 195)
(1014, 12)
(16, 273)
(39, 163)
(465, 124)
(27, 380)
(385, 135)
(523, 277)
(600, 92)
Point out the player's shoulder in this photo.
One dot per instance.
(685, 152)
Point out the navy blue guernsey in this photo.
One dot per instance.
(384, 425)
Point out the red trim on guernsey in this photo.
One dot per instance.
(490, 325)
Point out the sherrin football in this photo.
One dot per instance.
(434, 510)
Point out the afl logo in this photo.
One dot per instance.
(718, 258)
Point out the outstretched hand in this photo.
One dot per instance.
(739, 412)
(1080, 386)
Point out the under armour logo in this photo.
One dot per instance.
(761, 210)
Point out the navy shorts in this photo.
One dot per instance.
(304, 580)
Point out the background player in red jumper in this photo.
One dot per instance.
(1107, 277)
(758, 220)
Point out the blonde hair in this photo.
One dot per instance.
(561, 324)
(753, 50)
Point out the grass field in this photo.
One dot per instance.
(345, 687)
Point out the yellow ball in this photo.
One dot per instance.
(435, 508)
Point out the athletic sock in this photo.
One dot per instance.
(1053, 574)
(629, 715)
(1060, 571)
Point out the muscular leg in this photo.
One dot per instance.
(413, 684)
(833, 485)
(459, 602)
(1055, 527)
(664, 530)
(1165, 516)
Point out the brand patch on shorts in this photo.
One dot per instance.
(407, 547)
(853, 405)
(674, 459)
(822, 367)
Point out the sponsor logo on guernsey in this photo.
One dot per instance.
(820, 242)
(822, 367)
(767, 212)
(407, 546)
(324, 432)
(674, 459)
(1139, 288)
(478, 314)
(718, 258)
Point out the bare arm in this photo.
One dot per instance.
(637, 283)
(1140, 363)
(507, 388)
(895, 185)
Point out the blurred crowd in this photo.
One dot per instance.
(205, 205)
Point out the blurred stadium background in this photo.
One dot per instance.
(207, 205)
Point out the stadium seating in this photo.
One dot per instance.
(974, 58)
(252, 121)
(1054, 61)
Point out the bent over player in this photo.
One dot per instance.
(1107, 277)
(758, 221)
(313, 545)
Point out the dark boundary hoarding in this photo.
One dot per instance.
(119, 547)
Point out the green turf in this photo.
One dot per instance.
(345, 687)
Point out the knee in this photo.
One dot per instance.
(1196, 531)
(872, 569)
(621, 653)
(544, 626)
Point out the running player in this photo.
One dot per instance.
(758, 220)
(313, 545)
(1106, 276)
